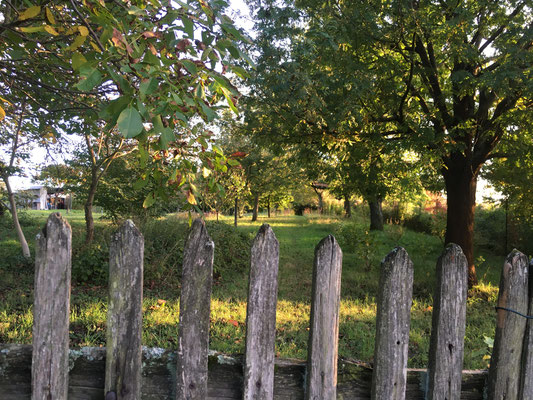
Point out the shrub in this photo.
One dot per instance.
(165, 240)
(424, 222)
(91, 263)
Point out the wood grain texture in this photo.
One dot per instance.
(261, 316)
(526, 387)
(51, 308)
(87, 373)
(392, 326)
(446, 348)
(124, 314)
(195, 307)
(505, 363)
(324, 325)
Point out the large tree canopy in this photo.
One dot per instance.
(445, 78)
(146, 68)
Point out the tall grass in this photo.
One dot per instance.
(298, 235)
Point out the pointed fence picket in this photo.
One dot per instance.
(194, 373)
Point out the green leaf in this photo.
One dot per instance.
(167, 136)
(151, 59)
(233, 51)
(158, 124)
(150, 200)
(111, 112)
(78, 60)
(188, 26)
(210, 114)
(130, 122)
(240, 72)
(177, 99)
(91, 78)
(190, 66)
(140, 183)
(148, 86)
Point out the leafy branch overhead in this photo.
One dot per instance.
(147, 68)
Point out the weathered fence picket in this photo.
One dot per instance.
(195, 307)
(526, 387)
(51, 309)
(261, 317)
(124, 315)
(324, 325)
(448, 325)
(392, 326)
(505, 363)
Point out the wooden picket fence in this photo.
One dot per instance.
(193, 372)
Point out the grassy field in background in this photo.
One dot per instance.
(298, 235)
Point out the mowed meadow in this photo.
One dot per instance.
(297, 235)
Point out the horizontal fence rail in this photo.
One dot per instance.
(87, 372)
(123, 370)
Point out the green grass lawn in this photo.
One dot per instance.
(298, 235)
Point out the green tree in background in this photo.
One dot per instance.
(446, 79)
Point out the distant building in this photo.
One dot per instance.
(38, 198)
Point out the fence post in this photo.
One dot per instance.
(392, 326)
(324, 324)
(261, 316)
(51, 309)
(504, 372)
(449, 323)
(124, 314)
(195, 307)
(526, 389)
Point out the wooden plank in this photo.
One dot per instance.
(526, 389)
(324, 325)
(504, 372)
(392, 326)
(124, 314)
(261, 316)
(195, 306)
(449, 323)
(51, 309)
(87, 374)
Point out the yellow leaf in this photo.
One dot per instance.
(50, 30)
(83, 30)
(50, 16)
(95, 46)
(2, 114)
(6, 101)
(31, 29)
(77, 42)
(190, 198)
(30, 13)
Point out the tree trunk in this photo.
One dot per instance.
(89, 221)
(376, 215)
(236, 211)
(256, 207)
(268, 206)
(461, 201)
(320, 200)
(22, 239)
(347, 206)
